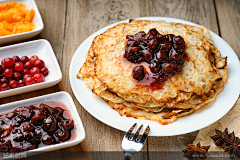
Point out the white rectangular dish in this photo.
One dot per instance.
(37, 21)
(44, 51)
(63, 97)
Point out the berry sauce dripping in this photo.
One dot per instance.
(158, 56)
(34, 126)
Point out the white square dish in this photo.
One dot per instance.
(37, 21)
(63, 97)
(44, 51)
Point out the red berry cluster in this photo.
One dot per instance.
(18, 72)
(163, 54)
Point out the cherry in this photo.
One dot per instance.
(25, 71)
(58, 111)
(13, 83)
(28, 65)
(39, 78)
(5, 134)
(147, 55)
(66, 124)
(44, 71)
(8, 73)
(9, 127)
(18, 67)
(29, 137)
(138, 72)
(34, 71)
(39, 63)
(27, 127)
(18, 137)
(24, 59)
(162, 56)
(160, 37)
(170, 37)
(179, 40)
(17, 76)
(21, 83)
(16, 59)
(175, 55)
(47, 139)
(171, 68)
(26, 114)
(1, 69)
(37, 119)
(11, 115)
(5, 87)
(7, 63)
(179, 48)
(50, 124)
(26, 76)
(33, 58)
(153, 33)
(153, 44)
(155, 67)
(29, 81)
(4, 80)
(62, 135)
(166, 46)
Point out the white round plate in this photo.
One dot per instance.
(195, 121)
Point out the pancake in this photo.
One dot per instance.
(108, 74)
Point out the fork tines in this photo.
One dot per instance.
(134, 138)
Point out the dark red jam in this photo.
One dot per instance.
(30, 127)
(161, 54)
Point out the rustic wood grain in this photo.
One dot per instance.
(229, 18)
(84, 18)
(69, 22)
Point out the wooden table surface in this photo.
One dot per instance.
(69, 22)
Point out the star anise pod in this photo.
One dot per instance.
(220, 138)
(194, 152)
(233, 147)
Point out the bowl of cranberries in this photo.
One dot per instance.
(26, 67)
(39, 124)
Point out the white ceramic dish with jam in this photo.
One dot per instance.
(37, 21)
(44, 51)
(78, 130)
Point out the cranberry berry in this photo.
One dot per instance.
(8, 73)
(7, 63)
(39, 77)
(18, 67)
(34, 71)
(28, 65)
(34, 58)
(16, 59)
(13, 83)
(44, 71)
(24, 59)
(39, 63)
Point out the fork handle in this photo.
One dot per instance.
(127, 156)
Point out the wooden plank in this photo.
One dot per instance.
(229, 17)
(198, 11)
(84, 18)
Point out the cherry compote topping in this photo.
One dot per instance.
(159, 56)
(34, 126)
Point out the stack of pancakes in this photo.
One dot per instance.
(109, 74)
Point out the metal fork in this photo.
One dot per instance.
(132, 146)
